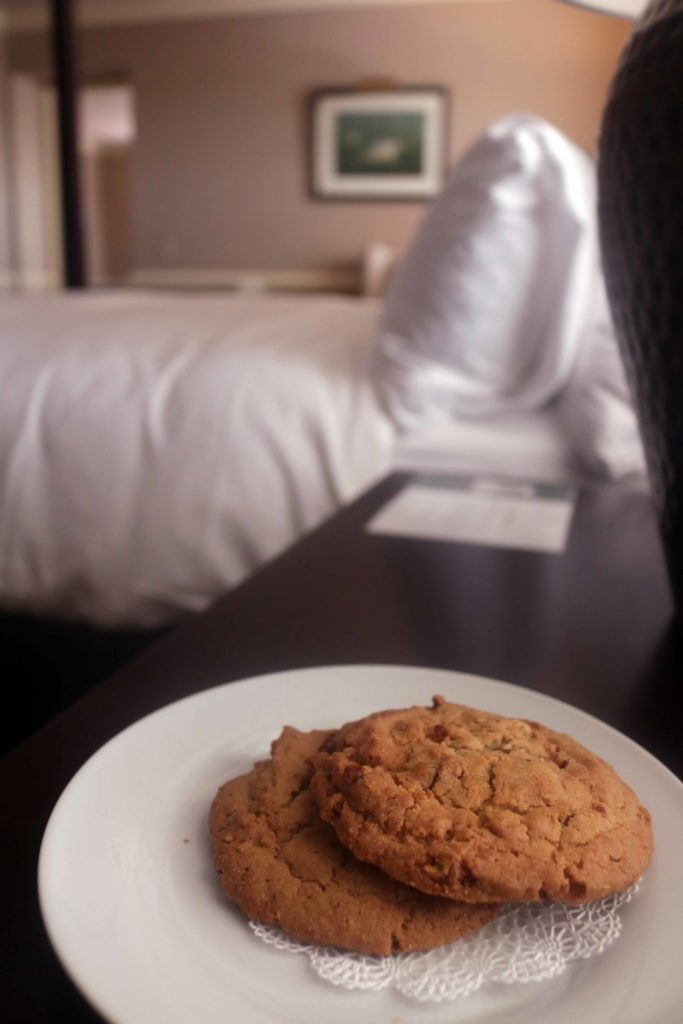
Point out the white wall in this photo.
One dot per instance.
(5, 238)
(36, 220)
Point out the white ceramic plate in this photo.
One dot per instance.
(134, 911)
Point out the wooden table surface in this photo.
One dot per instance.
(593, 627)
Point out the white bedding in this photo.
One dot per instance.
(489, 306)
(526, 446)
(155, 449)
(496, 347)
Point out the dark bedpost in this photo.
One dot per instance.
(65, 73)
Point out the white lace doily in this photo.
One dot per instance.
(526, 942)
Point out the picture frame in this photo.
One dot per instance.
(378, 144)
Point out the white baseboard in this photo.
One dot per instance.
(29, 281)
(346, 281)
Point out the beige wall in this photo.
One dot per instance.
(219, 175)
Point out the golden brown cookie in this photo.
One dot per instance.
(469, 805)
(283, 866)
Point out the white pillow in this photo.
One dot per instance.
(486, 310)
(596, 407)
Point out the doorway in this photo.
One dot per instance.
(106, 134)
(107, 131)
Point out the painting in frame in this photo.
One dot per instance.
(387, 144)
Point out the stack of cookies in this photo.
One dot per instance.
(409, 829)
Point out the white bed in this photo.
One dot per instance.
(156, 448)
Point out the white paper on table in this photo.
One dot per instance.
(481, 511)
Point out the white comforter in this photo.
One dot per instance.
(155, 449)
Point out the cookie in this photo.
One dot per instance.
(283, 866)
(476, 807)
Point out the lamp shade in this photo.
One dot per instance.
(622, 8)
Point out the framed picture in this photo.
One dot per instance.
(378, 144)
